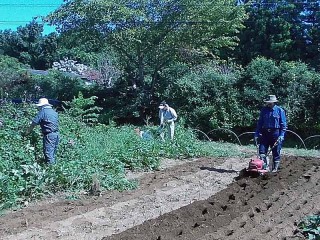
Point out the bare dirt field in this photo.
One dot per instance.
(186, 199)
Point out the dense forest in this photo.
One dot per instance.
(213, 61)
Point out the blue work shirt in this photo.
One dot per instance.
(145, 135)
(48, 120)
(272, 118)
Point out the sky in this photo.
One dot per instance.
(15, 13)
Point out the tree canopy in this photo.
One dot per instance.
(281, 30)
(29, 46)
(149, 35)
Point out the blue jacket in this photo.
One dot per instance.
(47, 118)
(273, 118)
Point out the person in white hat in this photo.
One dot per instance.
(48, 120)
(167, 116)
(271, 129)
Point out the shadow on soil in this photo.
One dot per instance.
(219, 170)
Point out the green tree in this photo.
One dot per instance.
(256, 82)
(311, 20)
(298, 87)
(12, 74)
(29, 46)
(281, 30)
(206, 95)
(80, 46)
(151, 35)
(267, 31)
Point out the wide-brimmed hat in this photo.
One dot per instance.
(271, 99)
(43, 102)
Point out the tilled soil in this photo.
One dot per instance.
(267, 207)
(177, 184)
(187, 199)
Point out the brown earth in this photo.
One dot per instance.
(267, 207)
(187, 199)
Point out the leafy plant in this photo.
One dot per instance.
(310, 227)
(84, 109)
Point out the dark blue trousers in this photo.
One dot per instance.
(267, 141)
(50, 145)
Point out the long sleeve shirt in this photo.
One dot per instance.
(169, 114)
(47, 118)
(272, 118)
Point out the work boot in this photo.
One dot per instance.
(265, 160)
(275, 167)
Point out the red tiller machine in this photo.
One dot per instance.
(259, 165)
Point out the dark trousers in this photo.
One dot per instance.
(267, 140)
(50, 145)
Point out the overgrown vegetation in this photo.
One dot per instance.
(87, 150)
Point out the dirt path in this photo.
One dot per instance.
(178, 184)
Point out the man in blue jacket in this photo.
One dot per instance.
(271, 129)
(47, 118)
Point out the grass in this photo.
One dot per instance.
(301, 152)
(222, 149)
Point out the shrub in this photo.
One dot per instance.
(207, 96)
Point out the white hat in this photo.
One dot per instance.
(271, 99)
(43, 102)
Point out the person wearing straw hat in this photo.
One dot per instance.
(167, 116)
(48, 120)
(271, 129)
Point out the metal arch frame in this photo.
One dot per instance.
(303, 141)
(304, 145)
(228, 130)
(313, 136)
(238, 136)
(244, 133)
(195, 129)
